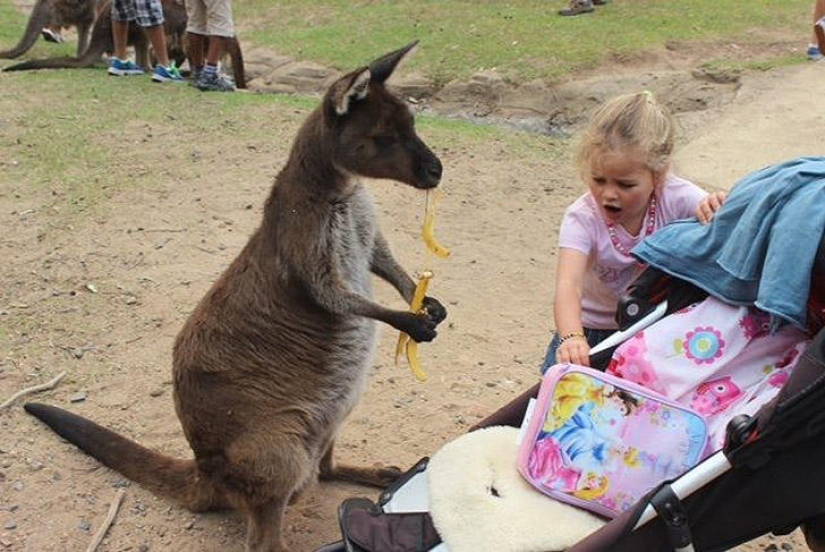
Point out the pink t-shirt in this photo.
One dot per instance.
(609, 271)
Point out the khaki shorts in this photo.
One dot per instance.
(210, 17)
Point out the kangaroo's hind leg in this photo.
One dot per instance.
(261, 471)
(264, 526)
(379, 477)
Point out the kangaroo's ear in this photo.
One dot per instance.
(349, 88)
(383, 67)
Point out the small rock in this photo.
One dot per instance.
(78, 397)
(18, 486)
(84, 525)
(156, 393)
(10, 525)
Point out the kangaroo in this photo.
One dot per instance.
(80, 13)
(276, 354)
(101, 43)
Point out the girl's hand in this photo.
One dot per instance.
(574, 350)
(709, 205)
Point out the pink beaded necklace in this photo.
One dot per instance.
(650, 223)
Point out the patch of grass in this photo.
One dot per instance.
(758, 65)
(522, 39)
(13, 21)
(85, 126)
(458, 133)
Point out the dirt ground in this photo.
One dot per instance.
(103, 299)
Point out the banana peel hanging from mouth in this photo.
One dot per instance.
(428, 230)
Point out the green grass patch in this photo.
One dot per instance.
(84, 132)
(522, 39)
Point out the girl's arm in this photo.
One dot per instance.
(570, 272)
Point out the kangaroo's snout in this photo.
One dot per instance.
(434, 170)
(428, 167)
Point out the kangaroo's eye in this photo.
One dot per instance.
(384, 142)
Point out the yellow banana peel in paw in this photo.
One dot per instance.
(405, 344)
(428, 229)
(415, 364)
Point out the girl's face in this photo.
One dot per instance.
(622, 185)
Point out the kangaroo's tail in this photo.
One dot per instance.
(39, 18)
(56, 63)
(177, 480)
(233, 48)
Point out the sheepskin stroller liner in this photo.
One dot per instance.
(768, 481)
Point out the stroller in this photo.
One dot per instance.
(763, 480)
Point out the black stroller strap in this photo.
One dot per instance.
(674, 515)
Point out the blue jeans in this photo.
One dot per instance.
(594, 337)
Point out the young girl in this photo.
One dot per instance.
(624, 159)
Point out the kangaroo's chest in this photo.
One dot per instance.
(351, 234)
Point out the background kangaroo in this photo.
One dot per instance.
(101, 43)
(79, 13)
(276, 354)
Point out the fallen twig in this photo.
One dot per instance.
(110, 517)
(33, 389)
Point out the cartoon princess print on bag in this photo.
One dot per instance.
(594, 440)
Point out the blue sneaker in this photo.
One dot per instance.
(814, 54)
(167, 74)
(120, 68)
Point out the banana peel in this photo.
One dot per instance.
(407, 345)
(428, 229)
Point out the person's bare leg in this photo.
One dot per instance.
(194, 50)
(217, 46)
(120, 34)
(157, 37)
(819, 31)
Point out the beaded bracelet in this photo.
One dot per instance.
(571, 335)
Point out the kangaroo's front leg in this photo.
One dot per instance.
(330, 291)
(386, 267)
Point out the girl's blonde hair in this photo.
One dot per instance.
(629, 121)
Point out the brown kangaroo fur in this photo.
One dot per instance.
(276, 354)
(79, 13)
(101, 43)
